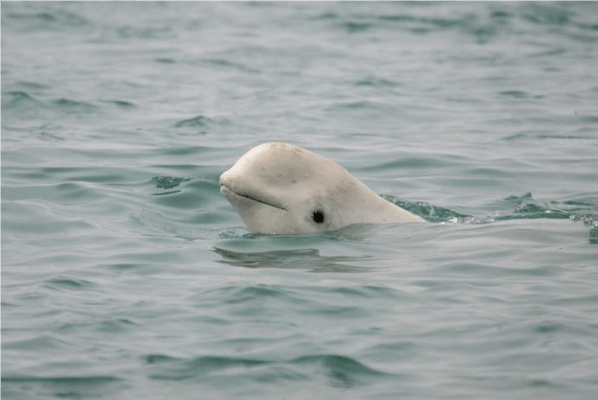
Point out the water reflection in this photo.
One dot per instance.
(308, 259)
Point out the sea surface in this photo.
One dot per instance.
(126, 274)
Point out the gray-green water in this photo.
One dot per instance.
(127, 275)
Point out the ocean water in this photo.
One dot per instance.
(127, 275)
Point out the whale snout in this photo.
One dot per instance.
(224, 178)
(226, 185)
(240, 189)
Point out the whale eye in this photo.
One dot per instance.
(318, 216)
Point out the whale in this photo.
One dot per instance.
(282, 189)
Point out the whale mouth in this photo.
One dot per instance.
(224, 188)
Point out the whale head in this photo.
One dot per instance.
(280, 188)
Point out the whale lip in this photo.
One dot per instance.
(224, 188)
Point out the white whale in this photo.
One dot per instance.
(282, 189)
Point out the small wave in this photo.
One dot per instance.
(244, 294)
(41, 342)
(373, 81)
(50, 137)
(165, 60)
(196, 122)
(22, 101)
(481, 29)
(527, 207)
(542, 136)
(70, 105)
(238, 233)
(158, 358)
(339, 365)
(45, 20)
(123, 103)
(340, 371)
(33, 85)
(587, 219)
(547, 15)
(173, 368)
(68, 386)
(510, 208)
(428, 211)
(168, 182)
(221, 62)
(181, 151)
(362, 292)
(19, 99)
(103, 326)
(516, 94)
(354, 27)
(154, 32)
(62, 282)
(156, 224)
(64, 380)
(360, 105)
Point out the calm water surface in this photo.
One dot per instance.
(127, 275)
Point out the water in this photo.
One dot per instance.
(126, 274)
